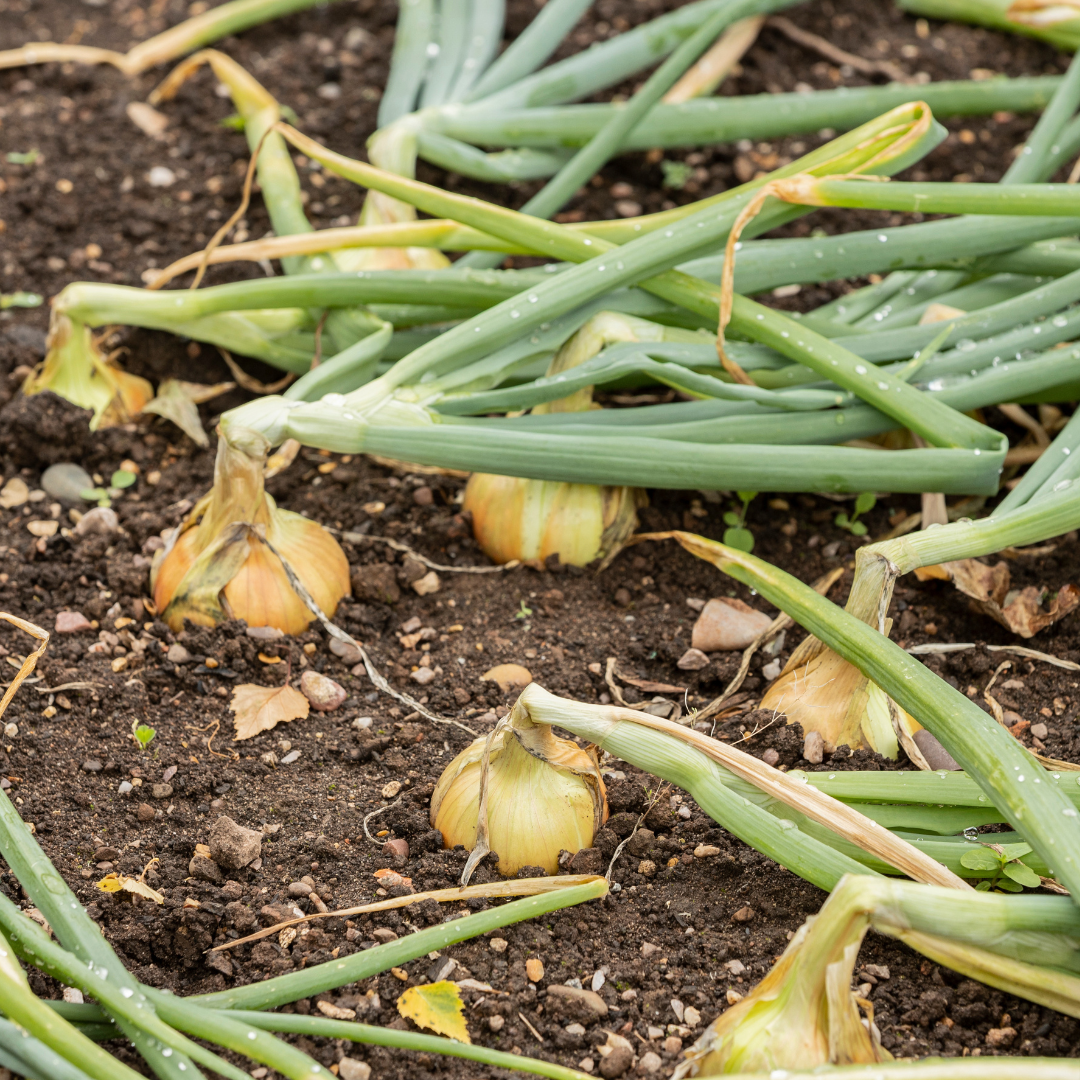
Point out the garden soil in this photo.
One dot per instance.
(691, 930)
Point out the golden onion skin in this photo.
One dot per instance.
(215, 570)
(535, 809)
(531, 520)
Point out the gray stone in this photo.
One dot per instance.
(649, 1062)
(813, 747)
(92, 765)
(691, 660)
(570, 1003)
(1040, 731)
(298, 889)
(161, 791)
(177, 654)
(383, 934)
(106, 854)
(204, 869)
(232, 846)
(64, 482)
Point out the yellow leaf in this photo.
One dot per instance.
(110, 883)
(437, 1007)
(259, 708)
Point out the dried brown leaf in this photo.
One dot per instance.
(260, 708)
(1021, 612)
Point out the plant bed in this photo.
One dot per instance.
(64, 770)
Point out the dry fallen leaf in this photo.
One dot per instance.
(1019, 611)
(389, 878)
(260, 708)
(177, 400)
(437, 1007)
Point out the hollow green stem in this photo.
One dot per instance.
(1006, 772)
(334, 973)
(405, 1040)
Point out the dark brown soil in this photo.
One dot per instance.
(64, 768)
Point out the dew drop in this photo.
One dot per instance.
(860, 369)
(126, 991)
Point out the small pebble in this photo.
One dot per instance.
(92, 765)
(324, 694)
(672, 1044)
(693, 660)
(744, 914)
(161, 176)
(813, 747)
(72, 622)
(771, 670)
(353, 1069)
(398, 848)
(705, 851)
(423, 496)
(145, 812)
(298, 889)
(649, 1063)
(771, 757)
(177, 654)
(391, 789)
(1040, 731)
(497, 945)
(429, 583)
(534, 969)
(264, 633)
(290, 757)
(496, 1022)
(65, 481)
(585, 1064)
(101, 521)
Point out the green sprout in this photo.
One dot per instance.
(1010, 874)
(122, 479)
(676, 174)
(96, 494)
(737, 535)
(144, 735)
(524, 612)
(27, 158)
(20, 299)
(864, 503)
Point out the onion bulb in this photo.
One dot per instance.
(531, 520)
(819, 689)
(543, 795)
(75, 369)
(222, 562)
(803, 1013)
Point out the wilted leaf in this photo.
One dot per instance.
(177, 400)
(1021, 612)
(437, 1007)
(110, 883)
(260, 708)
